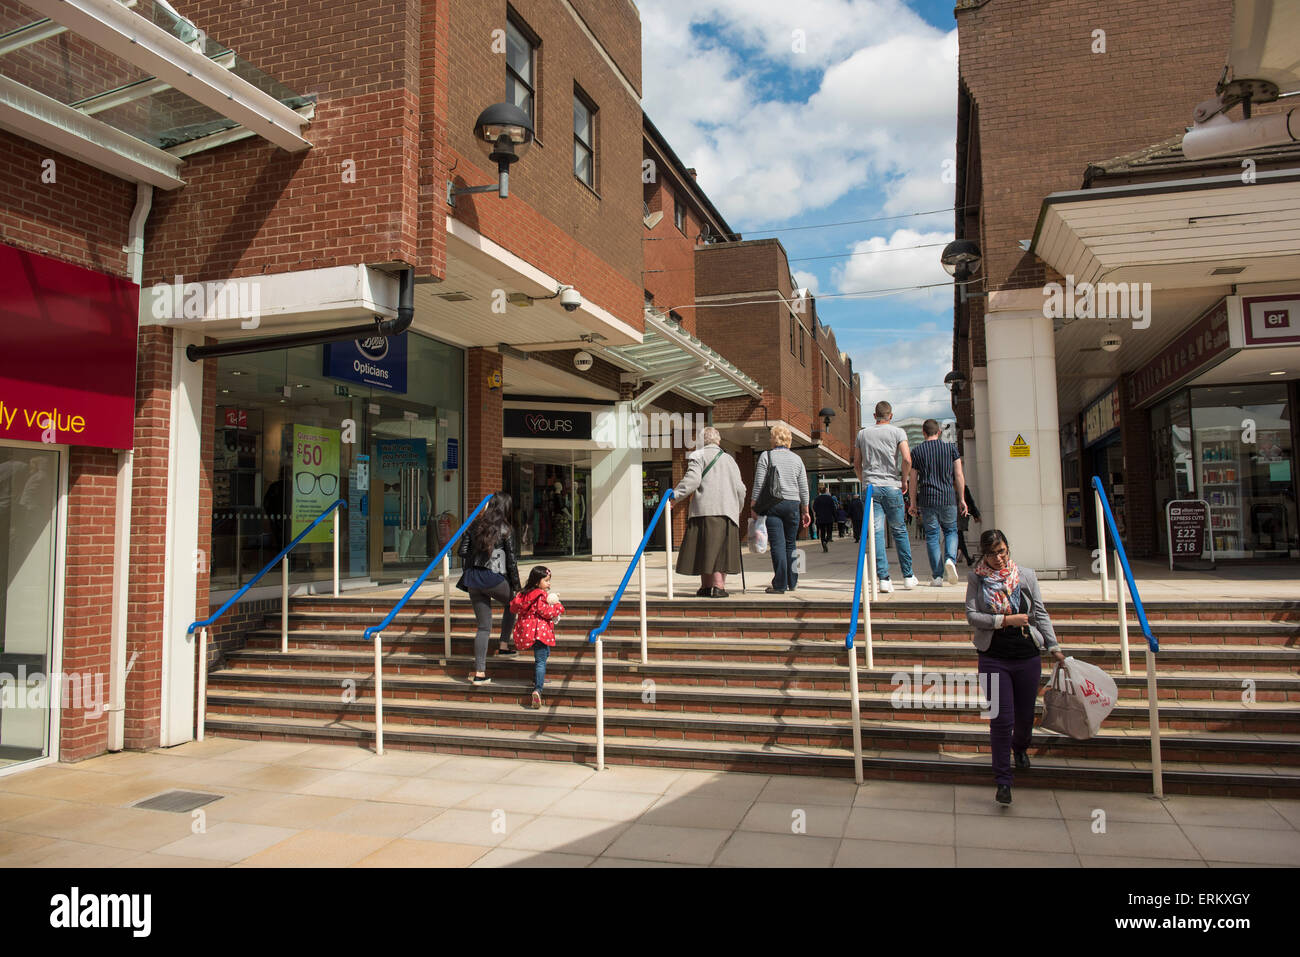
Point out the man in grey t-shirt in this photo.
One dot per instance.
(881, 459)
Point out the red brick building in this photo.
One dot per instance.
(1066, 114)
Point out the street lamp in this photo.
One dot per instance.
(505, 131)
(955, 381)
(827, 414)
(961, 259)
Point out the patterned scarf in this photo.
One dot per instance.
(999, 585)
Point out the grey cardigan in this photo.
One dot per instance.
(981, 617)
(792, 477)
(722, 492)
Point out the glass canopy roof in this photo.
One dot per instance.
(44, 56)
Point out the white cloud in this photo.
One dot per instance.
(883, 114)
(876, 268)
(908, 374)
(807, 280)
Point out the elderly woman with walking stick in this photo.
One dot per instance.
(711, 545)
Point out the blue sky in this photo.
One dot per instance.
(827, 111)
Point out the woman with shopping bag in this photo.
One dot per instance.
(1011, 631)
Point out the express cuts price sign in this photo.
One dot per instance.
(315, 474)
(1187, 522)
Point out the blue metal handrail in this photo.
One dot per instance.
(857, 576)
(388, 619)
(338, 503)
(1123, 562)
(627, 576)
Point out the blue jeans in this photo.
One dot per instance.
(934, 518)
(782, 534)
(889, 508)
(540, 653)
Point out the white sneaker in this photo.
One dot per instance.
(886, 586)
(949, 571)
(910, 582)
(936, 583)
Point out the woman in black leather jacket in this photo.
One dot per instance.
(487, 555)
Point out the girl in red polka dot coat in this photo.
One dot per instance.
(537, 608)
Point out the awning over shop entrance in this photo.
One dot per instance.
(1176, 234)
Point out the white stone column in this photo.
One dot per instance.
(982, 474)
(616, 485)
(180, 587)
(1021, 352)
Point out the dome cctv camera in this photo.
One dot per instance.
(1110, 342)
(570, 299)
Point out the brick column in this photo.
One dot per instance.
(483, 419)
(1140, 507)
(679, 510)
(148, 538)
(87, 610)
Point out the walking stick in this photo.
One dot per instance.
(742, 570)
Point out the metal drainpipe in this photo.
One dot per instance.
(122, 517)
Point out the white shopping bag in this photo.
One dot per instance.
(1079, 696)
(758, 535)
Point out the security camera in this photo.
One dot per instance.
(570, 299)
(1111, 342)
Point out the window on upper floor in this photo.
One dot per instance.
(584, 139)
(793, 323)
(801, 333)
(521, 68)
(826, 375)
(679, 215)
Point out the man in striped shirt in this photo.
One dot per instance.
(940, 488)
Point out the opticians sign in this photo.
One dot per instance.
(315, 478)
(68, 335)
(563, 424)
(378, 362)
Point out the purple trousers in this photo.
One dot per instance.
(1015, 682)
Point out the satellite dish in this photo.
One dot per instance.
(652, 220)
(1265, 37)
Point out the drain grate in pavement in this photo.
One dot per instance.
(178, 801)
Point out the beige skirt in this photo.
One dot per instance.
(711, 544)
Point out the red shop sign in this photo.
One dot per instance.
(237, 418)
(68, 342)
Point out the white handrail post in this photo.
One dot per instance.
(600, 706)
(379, 695)
(284, 605)
(645, 645)
(871, 551)
(1101, 546)
(871, 656)
(203, 679)
(1153, 720)
(1123, 615)
(668, 544)
(336, 553)
(857, 714)
(446, 606)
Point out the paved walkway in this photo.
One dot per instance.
(829, 577)
(295, 805)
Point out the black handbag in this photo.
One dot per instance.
(768, 497)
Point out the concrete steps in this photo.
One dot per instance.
(764, 686)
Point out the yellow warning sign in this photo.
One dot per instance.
(1020, 448)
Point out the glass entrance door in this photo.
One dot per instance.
(29, 495)
(404, 454)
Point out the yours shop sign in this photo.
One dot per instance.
(562, 424)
